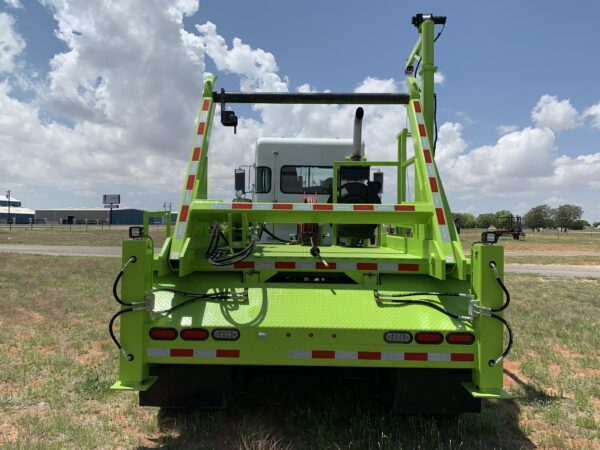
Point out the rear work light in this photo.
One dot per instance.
(194, 334)
(226, 334)
(429, 338)
(460, 338)
(163, 334)
(397, 337)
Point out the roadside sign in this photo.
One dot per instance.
(111, 198)
(111, 206)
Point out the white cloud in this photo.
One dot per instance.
(439, 78)
(505, 129)
(593, 112)
(554, 114)
(11, 44)
(14, 3)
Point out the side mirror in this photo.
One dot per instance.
(378, 178)
(240, 180)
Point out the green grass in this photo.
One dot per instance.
(57, 364)
(73, 235)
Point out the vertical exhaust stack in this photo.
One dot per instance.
(357, 148)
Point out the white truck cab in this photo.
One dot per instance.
(288, 169)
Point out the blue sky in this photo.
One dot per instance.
(110, 94)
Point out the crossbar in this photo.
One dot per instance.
(323, 98)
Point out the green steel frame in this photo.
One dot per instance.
(321, 324)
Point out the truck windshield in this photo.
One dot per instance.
(306, 179)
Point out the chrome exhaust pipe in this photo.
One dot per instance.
(357, 148)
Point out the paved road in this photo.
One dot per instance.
(540, 269)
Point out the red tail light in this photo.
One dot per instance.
(460, 338)
(163, 334)
(429, 338)
(194, 334)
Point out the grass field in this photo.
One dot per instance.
(75, 235)
(57, 362)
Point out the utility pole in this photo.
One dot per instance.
(8, 215)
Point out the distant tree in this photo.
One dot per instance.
(580, 224)
(485, 220)
(502, 217)
(541, 216)
(596, 224)
(465, 220)
(567, 215)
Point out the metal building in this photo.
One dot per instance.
(75, 216)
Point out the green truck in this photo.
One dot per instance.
(335, 279)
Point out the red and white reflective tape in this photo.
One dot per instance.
(311, 207)
(193, 353)
(193, 172)
(437, 201)
(381, 356)
(317, 265)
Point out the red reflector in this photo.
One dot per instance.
(429, 338)
(323, 354)
(409, 267)
(194, 334)
(322, 266)
(369, 355)
(460, 338)
(163, 334)
(228, 353)
(366, 266)
(283, 206)
(182, 352)
(415, 356)
(244, 265)
(285, 265)
(462, 357)
(322, 207)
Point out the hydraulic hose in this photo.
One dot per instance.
(127, 355)
(506, 351)
(131, 260)
(506, 293)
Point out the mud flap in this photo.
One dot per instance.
(433, 391)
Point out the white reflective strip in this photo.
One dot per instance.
(438, 356)
(199, 140)
(383, 207)
(262, 206)
(424, 143)
(387, 266)
(444, 232)
(419, 117)
(299, 354)
(188, 197)
(437, 201)
(159, 352)
(194, 167)
(392, 356)
(430, 171)
(345, 266)
(205, 353)
(346, 355)
(203, 116)
(264, 265)
(180, 228)
(221, 205)
(303, 206)
(305, 265)
(342, 207)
